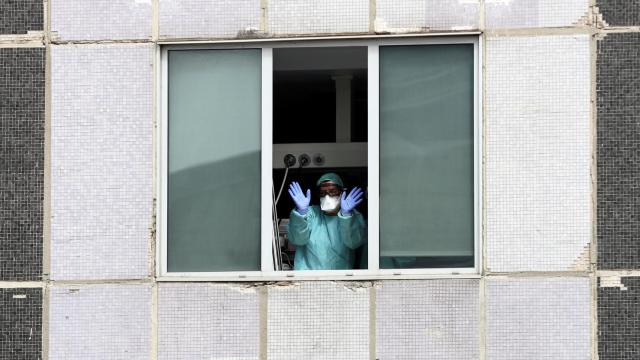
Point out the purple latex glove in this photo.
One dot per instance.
(302, 202)
(349, 202)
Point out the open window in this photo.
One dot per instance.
(397, 117)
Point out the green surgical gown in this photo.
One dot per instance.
(325, 242)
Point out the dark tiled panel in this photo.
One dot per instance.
(20, 324)
(619, 321)
(20, 16)
(618, 89)
(21, 162)
(620, 12)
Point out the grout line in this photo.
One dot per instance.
(547, 274)
(618, 273)
(46, 203)
(22, 284)
(482, 323)
(594, 152)
(373, 12)
(153, 233)
(45, 322)
(102, 42)
(146, 281)
(151, 280)
(482, 20)
(373, 301)
(593, 312)
(155, 20)
(33, 43)
(618, 29)
(593, 293)
(264, 16)
(575, 30)
(263, 310)
(154, 321)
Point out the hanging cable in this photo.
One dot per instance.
(277, 257)
(284, 181)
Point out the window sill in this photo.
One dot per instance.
(331, 275)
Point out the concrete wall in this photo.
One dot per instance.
(560, 250)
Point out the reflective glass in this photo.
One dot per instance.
(214, 137)
(426, 156)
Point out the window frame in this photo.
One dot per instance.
(373, 44)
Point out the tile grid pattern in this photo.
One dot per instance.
(318, 320)
(207, 321)
(318, 16)
(435, 317)
(100, 322)
(101, 161)
(538, 152)
(502, 14)
(618, 76)
(208, 18)
(230, 33)
(18, 17)
(22, 88)
(538, 318)
(620, 12)
(76, 19)
(618, 320)
(419, 15)
(618, 69)
(20, 324)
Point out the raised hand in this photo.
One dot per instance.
(302, 202)
(349, 202)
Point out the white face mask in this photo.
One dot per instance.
(330, 203)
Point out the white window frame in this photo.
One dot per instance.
(267, 273)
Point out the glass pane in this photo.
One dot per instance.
(426, 156)
(214, 160)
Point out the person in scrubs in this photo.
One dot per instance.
(326, 236)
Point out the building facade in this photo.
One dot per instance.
(559, 248)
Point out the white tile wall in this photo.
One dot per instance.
(208, 18)
(435, 317)
(318, 16)
(101, 161)
(534, 13)
(207, 321)
(101, 20)
(318, 320)
(100, 322)
(538, 152)
(538, 318)
(420, 15)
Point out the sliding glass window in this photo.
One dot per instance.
(213, 205)
(427, 156)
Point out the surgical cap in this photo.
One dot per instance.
(333, 177)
